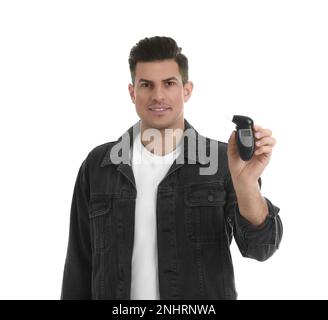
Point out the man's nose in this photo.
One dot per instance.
(158, 93)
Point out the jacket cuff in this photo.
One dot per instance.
(245, 226)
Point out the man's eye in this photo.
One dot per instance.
(145, 85)
(170, 83)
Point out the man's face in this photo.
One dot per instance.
(159, 94)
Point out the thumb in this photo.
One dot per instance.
(232, 143)
(232, 139)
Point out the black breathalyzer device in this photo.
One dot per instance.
(244, 136)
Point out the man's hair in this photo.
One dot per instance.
(158, 48)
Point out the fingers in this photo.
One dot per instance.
(264, 150)
(264, 140)
(260, 132)
(269, 141)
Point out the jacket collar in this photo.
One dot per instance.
(190, 138)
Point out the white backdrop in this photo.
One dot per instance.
(64, 90)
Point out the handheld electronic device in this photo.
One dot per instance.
(244, 136)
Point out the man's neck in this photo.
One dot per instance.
(162, 141)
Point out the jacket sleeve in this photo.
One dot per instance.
(77, 270)
(256, 242)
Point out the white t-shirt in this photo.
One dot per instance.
(149, 170)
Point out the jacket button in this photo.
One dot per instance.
(210, 198)
(121, 273)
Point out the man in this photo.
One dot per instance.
(146, 222)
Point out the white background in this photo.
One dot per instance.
(63, 90)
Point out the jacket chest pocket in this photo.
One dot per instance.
(100, 221)
(204, 211)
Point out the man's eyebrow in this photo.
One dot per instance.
(171, 78)
(165, 80)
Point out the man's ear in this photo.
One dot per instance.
(187, 90)
(131, 92)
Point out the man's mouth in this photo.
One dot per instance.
(159, 109)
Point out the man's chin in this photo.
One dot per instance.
(157, 123)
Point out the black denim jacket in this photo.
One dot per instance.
(197, 216)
